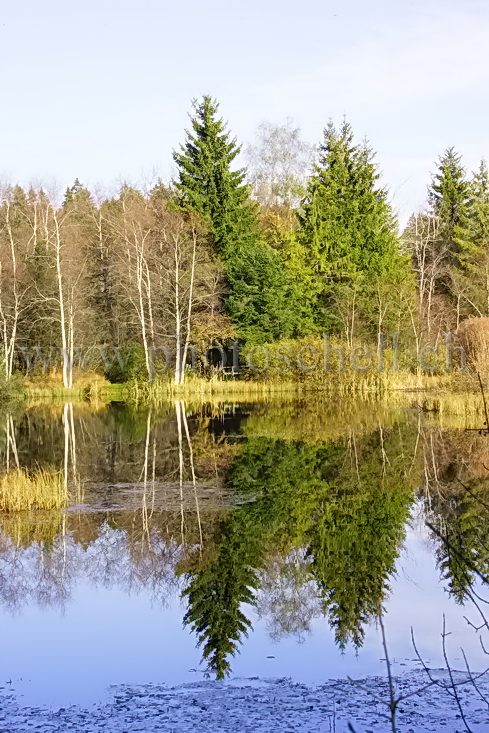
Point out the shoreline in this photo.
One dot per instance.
(259, 705)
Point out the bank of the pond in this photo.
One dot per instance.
(259, 706)
(244, 387)
(90, 387)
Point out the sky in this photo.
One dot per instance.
(101, 90)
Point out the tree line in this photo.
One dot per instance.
(300, 242)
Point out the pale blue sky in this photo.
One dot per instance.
(100, 90)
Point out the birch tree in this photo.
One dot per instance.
(429, 257)
(131, 224)
(13, 287)
(189, 284)
(65, 257)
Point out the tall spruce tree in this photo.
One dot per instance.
(448, 197)
(472, 237)
(350, 230)
(258, 290)
(207, 184)
(347, 219)
(448, 194)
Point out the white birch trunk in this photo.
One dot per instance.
(64, 326)
(189, 306)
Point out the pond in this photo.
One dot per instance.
(241, 540)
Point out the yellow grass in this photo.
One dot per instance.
(41, 489)
(88, 386)
(203, 390)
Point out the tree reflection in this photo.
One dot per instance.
(287, 596)
(456, 500)
(298, 528)
(345, 502)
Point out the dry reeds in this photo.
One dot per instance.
(23, 491)
(473, 336)
(202, 389)
(86, 386)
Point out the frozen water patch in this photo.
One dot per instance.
(258, 706)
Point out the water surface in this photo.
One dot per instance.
(242, 539)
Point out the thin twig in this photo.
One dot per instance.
(450, 673)
(473, 680)
(393, 701)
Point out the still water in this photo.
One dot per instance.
(243, 540)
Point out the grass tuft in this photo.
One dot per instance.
(41, 489)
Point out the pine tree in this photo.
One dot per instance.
(258, 291)
(449, 198)
(349, 228)
(75, 191)
(347, 219)
(472, 237)
(215, 598)
(448, 194)
(207, 184)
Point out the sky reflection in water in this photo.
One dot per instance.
(116, 615)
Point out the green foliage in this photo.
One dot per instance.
(258, 298)
(463, 548)
(349, 229)
(216, 593)
(130, 364)
(347, 506)
(207, 184)
(347, 221)
(472, 238)
(10, 389)
(303, 286)
(257, 287)
(358, 533)
(449, 193)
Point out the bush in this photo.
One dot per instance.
(131, 365)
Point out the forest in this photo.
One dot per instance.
(301, 242)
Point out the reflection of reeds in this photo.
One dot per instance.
(25, 529)
(41, 489)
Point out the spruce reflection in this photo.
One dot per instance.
(345, 503)
(456, 500)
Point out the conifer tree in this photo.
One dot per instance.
(207, 184)
(347, 219)
(350, 230)
(216, 595)
(448, 196)
(448, 193)
(258, 291)
(472, 237)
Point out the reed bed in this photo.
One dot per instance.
(21, 490)
(209, 390)
(88, 386)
